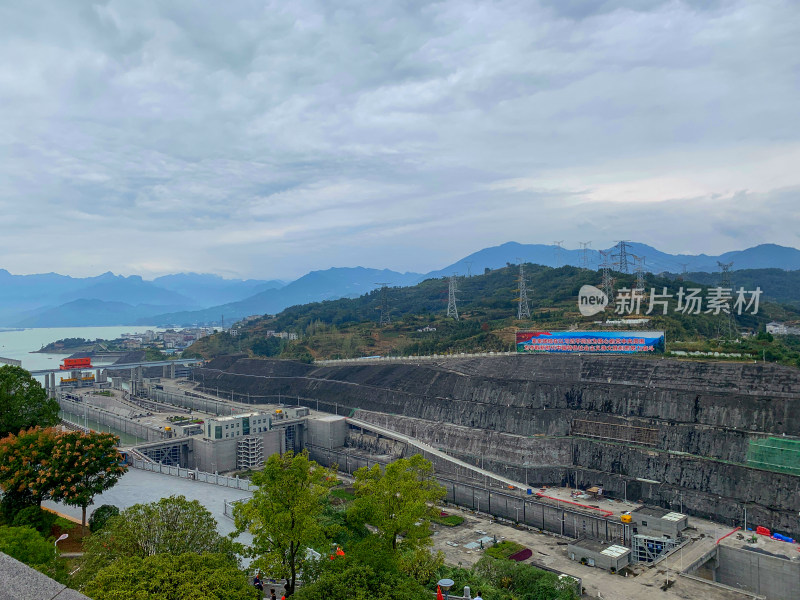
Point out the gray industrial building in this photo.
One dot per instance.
(658, 522)
(605, 555)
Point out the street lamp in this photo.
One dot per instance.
(446, 584)
(61, 538)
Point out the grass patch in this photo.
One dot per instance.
(343, 494)
(65, 525)
(504, 549)
(448, 520)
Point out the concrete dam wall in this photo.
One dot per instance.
(683, 426)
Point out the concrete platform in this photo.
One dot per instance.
(139, 487)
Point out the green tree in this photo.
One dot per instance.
(168, 577)
(357, 581)
(172, 525)
(85, 464)
(23, 402)
(29, 547)
(101, 515)
(26, 545)
(25, 468)
(398, 500)
(36, 517)
(284, 513)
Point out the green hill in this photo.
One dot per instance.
(487, 305)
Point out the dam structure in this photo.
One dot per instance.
(717, 440)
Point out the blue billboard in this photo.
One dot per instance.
(601, 342)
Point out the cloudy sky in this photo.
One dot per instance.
(267, 139)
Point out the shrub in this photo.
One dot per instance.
(26, 545)
(39, 519)
(449, 520)
(504, 549)
(101, 515)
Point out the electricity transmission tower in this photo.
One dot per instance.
(607, 282)
(452, 308)
(682, 276)
(728, 326)
(639, 262)
(558, 248)
(384, 303)
(469, 267)
(523, 310)
(623, 247)
(724, 274)
(585, 254)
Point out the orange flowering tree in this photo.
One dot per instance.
(84, 465)
(25, 463)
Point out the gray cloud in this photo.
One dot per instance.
(267, 139)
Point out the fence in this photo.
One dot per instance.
(775, 454)
(555, 518)
(238, 483)
(373, 359)
(194, 402)
(111, 420)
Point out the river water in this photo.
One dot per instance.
(21, 345)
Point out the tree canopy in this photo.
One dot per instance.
(398, 500)
(185, 576)
(284, 513)
(26, 465)
(26, 545)
(353, 581)
(23, 402)
(172, 525)
(84, 465)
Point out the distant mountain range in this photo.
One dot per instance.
(53, 300)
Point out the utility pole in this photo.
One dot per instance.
(523, 310)
(452, 308)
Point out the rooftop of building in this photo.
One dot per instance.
(660, 513)
(608, 548)
(240, 415)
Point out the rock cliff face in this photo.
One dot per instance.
(698, 418)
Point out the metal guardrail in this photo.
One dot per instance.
(238, 483)
(371, 359)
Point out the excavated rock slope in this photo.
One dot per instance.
(702, 416)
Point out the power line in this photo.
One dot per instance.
(452, 308)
